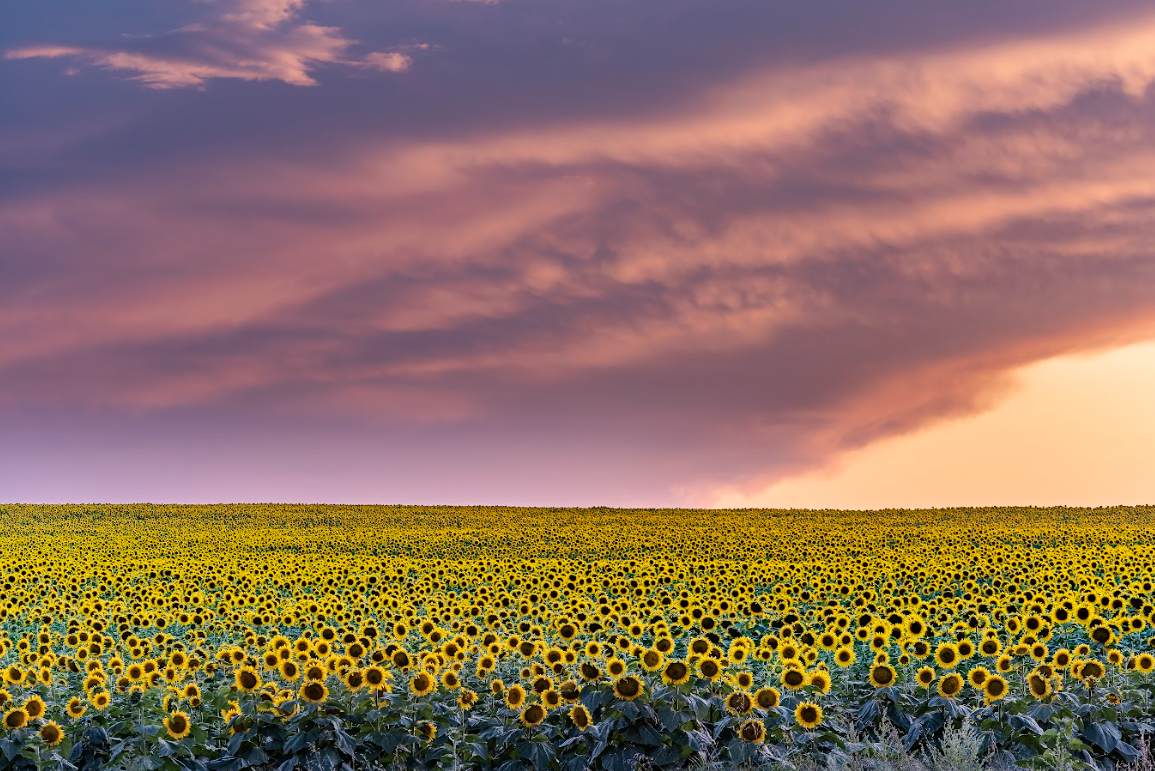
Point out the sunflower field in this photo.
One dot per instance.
(227, 637)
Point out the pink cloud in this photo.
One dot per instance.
(394, 61)
(253, 40)
(794, 264)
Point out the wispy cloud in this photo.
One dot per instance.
(254, 40)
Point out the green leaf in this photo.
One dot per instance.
(1104, 735)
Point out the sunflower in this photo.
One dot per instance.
(1102, 635)
(570, 691)
(51, 734)
(580, 717)
(946, 655)
(590, 672)
(845, 657)
(616, 667)
(807, 714)
(793, 678)
(99, 699)
(675, 673)
(289, 670)
(652, 660)
(743, 680)
(428, 730)
(978, 676)
(532, 715)
(1040, 686)
(247, 679)
(950, 685)
(752, 731)
(925, 677)
(990, 647)
(177, 724)
(497, 687)
(35, 707)
(767, 698)
(739, 703)
(628, 687)
(76, 708)
(16, 718)
(354, 680)
(1090, 671)
(819, 679)
(314, 691)
(995, 688)
(514, 697)
(466, 698)
(450, 680)
(710, 669)
(422, 684)
(1144, 662)
(882, 675)
(375, 677)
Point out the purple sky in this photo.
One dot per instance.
(547, 251)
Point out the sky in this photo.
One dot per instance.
(578, 252)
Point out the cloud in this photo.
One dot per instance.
(394, 61)
(781, 268)
(252, 40)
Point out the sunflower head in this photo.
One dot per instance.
(995, 688)
(767, 698)
(76, 708)
(628, 687)
(51, 734)
(580, 717)
(753, 731)
(514, 697)
(950, 685)
(808, 715)
(16, 718)
(882, 675)
(314, 691)
(739, 703)
(35, 707)
(247, 679)
(793, 678)
(533, 715)
(177, 724)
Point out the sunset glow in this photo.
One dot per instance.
(675, 252)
